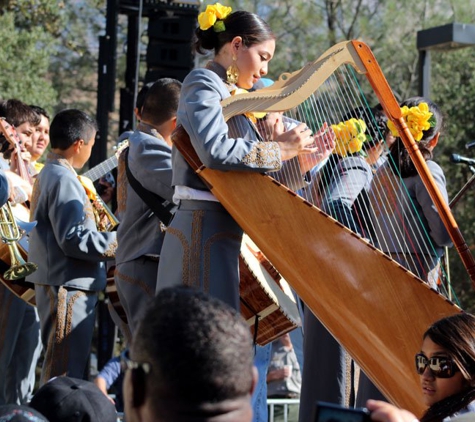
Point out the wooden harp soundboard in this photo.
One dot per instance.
(373, 306)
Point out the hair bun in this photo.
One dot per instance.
(205, 40)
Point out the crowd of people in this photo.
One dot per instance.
(190, 355)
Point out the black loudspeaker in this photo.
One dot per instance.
(167, 54)
(178, 28)
(156, 73)
(169, 50)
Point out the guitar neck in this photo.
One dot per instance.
(102, 168)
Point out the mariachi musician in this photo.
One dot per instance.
(19, 323)
(202, 244)
(146, 174)
(69, 248)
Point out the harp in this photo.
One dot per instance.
(378, 320)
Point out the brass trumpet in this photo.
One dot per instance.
(10, 234)
(105, 218)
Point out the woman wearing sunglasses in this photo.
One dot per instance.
(446, 365)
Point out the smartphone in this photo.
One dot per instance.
(330, 412)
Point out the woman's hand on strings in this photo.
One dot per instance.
(296, 141)
(271, 126)
(324, 140)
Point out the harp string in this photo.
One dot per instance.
(330, 104)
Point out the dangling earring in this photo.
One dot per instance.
(232, 72)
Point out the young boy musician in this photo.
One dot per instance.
(140, 233)
(68, 249)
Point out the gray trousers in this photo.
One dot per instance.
(330, 374)
(201, 249)
(367, 390)
(327, 374)
(136, 282)
(20, 348)
(67, 319)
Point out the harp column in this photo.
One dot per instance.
(445, 37)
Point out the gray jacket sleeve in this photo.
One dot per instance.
(201, 115)
(150, 163)
(438, 232)
(350, 177)
(71, 220)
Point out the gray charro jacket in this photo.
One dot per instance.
(65, 243)
(139, 232)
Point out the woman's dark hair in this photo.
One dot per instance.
(400, 160)
(456, 334)
(247, 25)
(40, 110)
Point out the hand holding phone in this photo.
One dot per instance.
(382, 411)
(330, 412)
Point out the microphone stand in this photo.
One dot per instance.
(469, 183)
(452, 204)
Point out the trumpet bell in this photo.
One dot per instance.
(17, 272)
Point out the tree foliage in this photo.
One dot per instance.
(49, 52)
(25, 56)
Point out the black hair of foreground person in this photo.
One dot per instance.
(191, 359)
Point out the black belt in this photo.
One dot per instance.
(151, 258)
(193, 205)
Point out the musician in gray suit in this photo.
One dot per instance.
(68, 249)
(202, 244)
(140, 234)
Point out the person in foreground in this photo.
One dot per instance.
(191, 359)
(446, 365)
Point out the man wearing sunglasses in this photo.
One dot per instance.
(191, 359)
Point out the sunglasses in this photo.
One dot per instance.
(127, 363)
(441, 367)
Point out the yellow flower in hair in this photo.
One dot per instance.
(222, 11)
(212, 15)
(418, 120)
(349, 136)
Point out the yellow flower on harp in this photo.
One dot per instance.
(418, 119)
(212, 17)
(349, 136)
